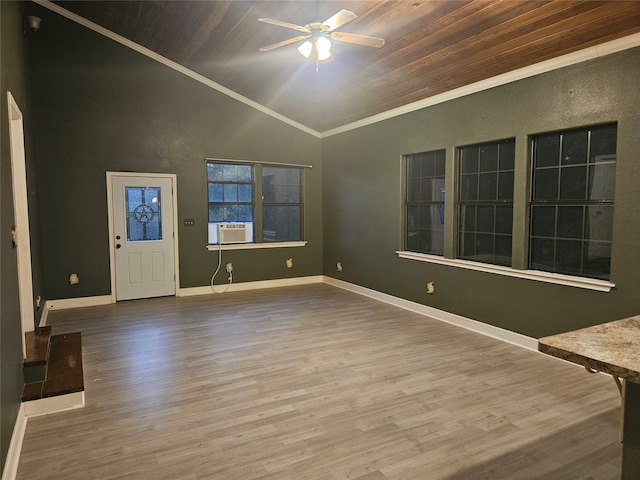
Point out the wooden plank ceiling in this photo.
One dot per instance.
(432, 46)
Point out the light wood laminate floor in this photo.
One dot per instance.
(314, 382)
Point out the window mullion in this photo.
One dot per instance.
(257, 202)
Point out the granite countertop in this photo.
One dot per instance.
(612, 347)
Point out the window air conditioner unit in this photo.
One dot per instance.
(235, 233)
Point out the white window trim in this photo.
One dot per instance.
(547, 277)
(252, 246)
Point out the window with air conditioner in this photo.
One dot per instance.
(254, 203)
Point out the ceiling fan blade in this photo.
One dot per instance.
(339, 19)
(283, 43)
(280, 23)
(358, 39)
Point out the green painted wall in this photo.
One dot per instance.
(100, 106)
(362, 196)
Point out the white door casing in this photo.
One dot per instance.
(142, 223)
(22, 238)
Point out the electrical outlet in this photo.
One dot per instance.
(289, 263)
(73, 279)
(431, 287)
(339, 266)
(229, 267)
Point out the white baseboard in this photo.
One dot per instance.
(451, 318)
(239, 287)
(64, 303)
(59, 403)
(15, 446)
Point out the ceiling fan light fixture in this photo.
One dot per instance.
(320, 46)
(323, 47)
(305, 49)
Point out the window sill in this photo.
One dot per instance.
(555, 278)
(253, 246)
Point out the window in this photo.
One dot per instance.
(424, 202)
(572, 201)
(485, 202)
(267, 199)
(143, 213)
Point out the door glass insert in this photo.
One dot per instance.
(144, 222)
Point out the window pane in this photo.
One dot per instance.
(143, 214)
(569, 256)
(413, 190)
(507, 155)
(440, 163)
(542, 254)
(573, 183)
(229, 173)
(216, 213)
(426, 192)
(245, 193)
(570, 222)
(602, 181)
(468, 218)
(469, 159)
(484, 247)
(214, 172)
(603, 143)
(489, 157)
(468, 245)
(543, 221)
(215, 192)
(598, 259)
(230, 192)
(414, 166)
(547, 150)
(488, 186)
(505, 185)
(599, 223)
(485, 219)
(244, 173)
(503, 249)
(231, 213)
(574, 147)
(469, 187)
(546, 184)
(245, 213)
(504, 219)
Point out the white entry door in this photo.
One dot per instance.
(143, 239)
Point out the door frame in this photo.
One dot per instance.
(112, 247)
(21, 218)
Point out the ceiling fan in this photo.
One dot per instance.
(318, 36)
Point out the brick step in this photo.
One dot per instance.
(64, 373)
